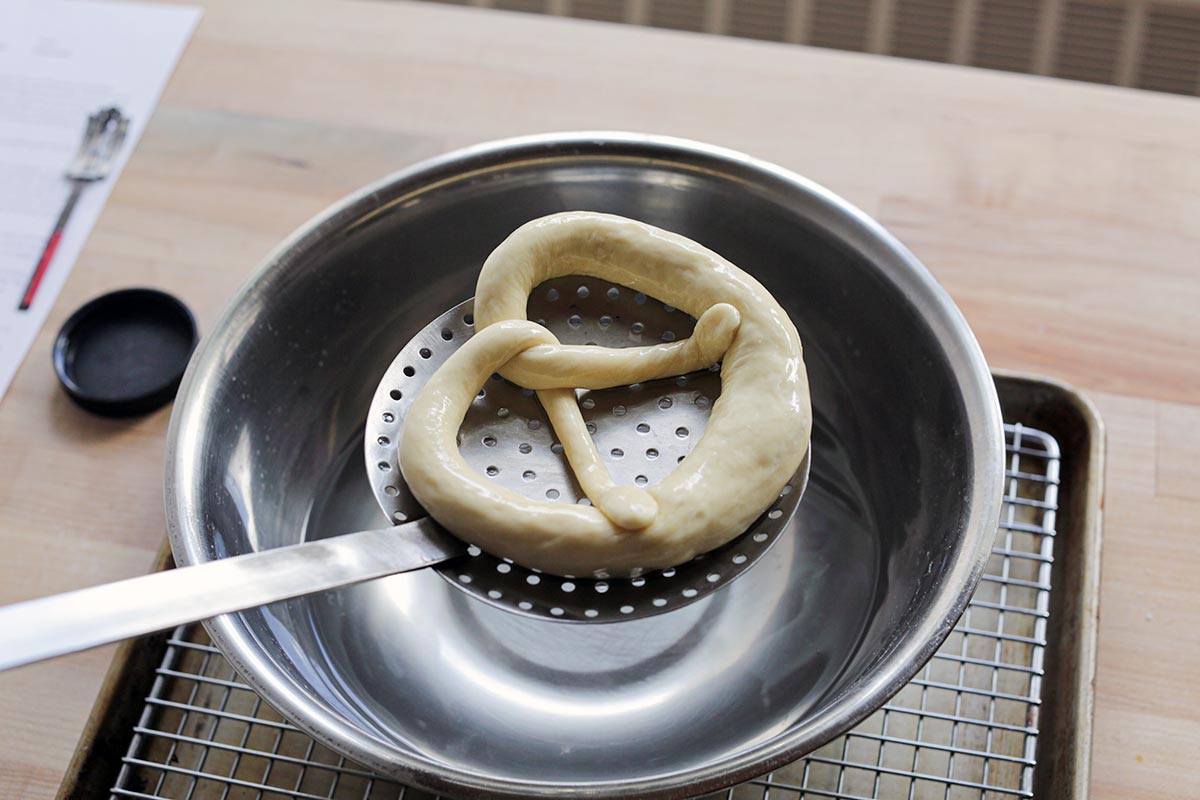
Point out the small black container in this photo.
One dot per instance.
(124, 353)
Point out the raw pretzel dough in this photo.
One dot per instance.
(754, 440)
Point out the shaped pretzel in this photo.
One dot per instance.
(754, 441)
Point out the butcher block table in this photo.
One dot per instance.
(1063, 218)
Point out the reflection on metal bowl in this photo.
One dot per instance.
(412, 677)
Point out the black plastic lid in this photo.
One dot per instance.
(124, 353)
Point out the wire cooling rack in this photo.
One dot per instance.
(965, 727)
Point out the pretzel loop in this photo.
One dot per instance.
(755, 438)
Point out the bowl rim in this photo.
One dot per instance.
(933, 303)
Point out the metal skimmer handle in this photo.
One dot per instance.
(65, 623)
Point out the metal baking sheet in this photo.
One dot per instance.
(1003, 710)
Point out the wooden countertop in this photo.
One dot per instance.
(1063, 218)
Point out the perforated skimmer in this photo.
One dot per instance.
(644, 431)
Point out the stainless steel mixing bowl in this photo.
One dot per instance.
(413, 678)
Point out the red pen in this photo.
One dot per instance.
(102, 138)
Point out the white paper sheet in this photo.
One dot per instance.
(61, 60)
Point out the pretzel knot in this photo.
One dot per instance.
(755, 438)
